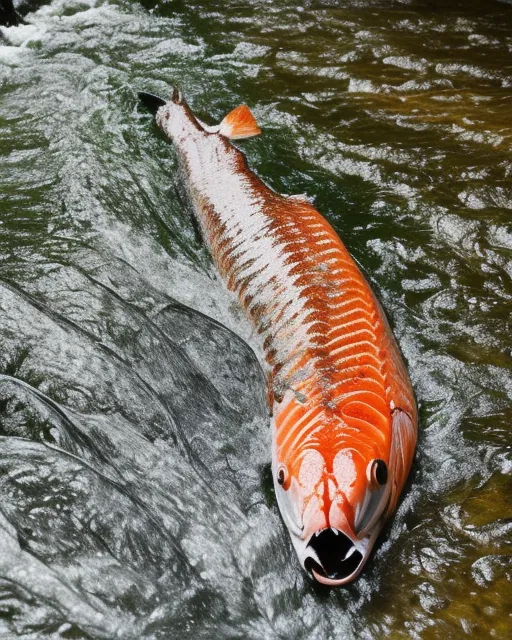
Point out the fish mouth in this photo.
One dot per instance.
(334, 558)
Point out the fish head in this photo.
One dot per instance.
(333, 502)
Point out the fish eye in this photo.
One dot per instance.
(282, 475)
(377, 473)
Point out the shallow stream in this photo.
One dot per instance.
(135, 490)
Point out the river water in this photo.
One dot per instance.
(136, 498)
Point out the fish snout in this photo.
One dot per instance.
(333, 557)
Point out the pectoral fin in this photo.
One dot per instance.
(403, 445)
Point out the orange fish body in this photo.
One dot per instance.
(343, 410)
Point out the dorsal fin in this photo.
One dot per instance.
(239, 123)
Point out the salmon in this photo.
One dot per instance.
(343, 412)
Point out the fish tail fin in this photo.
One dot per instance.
(239, 123)
(153, 103)
(150, 101)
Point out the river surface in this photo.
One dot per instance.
(135, 491)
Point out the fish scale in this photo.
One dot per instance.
(343, 410)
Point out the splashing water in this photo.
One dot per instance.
(136, 500)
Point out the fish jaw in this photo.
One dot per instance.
(334, 557)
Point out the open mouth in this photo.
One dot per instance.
(338, 557)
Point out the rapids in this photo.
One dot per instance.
(135, 491)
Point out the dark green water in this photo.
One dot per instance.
(135, 496)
